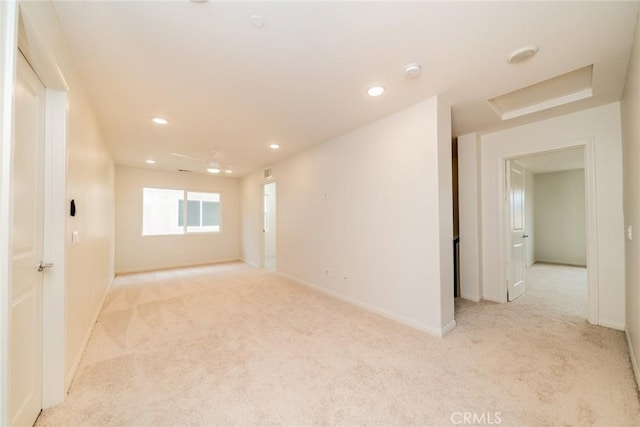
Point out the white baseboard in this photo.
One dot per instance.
(176, 266)
(612, 325)
(366, 306)
(450, 327)
(474, 298)
(632, 355)
(85, 341)
(252, 264)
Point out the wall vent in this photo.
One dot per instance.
(267, 173)
(184, 170)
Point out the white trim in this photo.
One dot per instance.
(40, 57)
(632, 356)
(448, 328)
(55, 225)
(177, 266)
(252, 264)
(593, 296)
(591, 214)
(612, 325)
(474, 298)
(385, 313)
(263, 251)
(85, 341)
(8, 48)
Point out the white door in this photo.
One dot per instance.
(269, 226)
(25, 342)
(516, 271)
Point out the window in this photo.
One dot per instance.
(164, 212)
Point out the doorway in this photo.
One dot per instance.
(269, 224)
(547, 214)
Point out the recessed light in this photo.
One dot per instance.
(228, 171)
(375, 91)
(274, 146)
(522, 54)
(213, 170)
(149, 161)
(159, 120)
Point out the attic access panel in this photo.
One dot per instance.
(563, 89)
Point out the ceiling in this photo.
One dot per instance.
(302, 79)
(554, 161)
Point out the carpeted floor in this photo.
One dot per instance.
(234, 345)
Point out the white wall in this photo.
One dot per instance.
(599, 129)
(529, 217)
(367, 216)
(560, 218)
(135, 252)
(469, 180)
(90, 175)
(631, 159)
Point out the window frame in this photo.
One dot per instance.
(184, 226)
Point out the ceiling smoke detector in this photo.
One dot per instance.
(522, 54)
(257, 21)
(412, 71)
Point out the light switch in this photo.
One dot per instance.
(75, 238)
(630, 232)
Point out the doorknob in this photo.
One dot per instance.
(44, 265)
(524, 236)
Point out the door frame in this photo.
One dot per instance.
(592, 236)
(264, 237)
(17, 21)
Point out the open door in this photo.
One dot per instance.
(515, 206)
(27, 248)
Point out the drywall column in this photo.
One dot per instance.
(367, 216)
(445, 207)
(469, 203)
(631, 196)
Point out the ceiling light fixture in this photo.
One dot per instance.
(228, 171)
(522, 54)
(159, 120)
(213, 170)
(375, 91)
(149, 161)
(274, 146)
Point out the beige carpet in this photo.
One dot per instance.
(233, 345)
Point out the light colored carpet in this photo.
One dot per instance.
(234, 345)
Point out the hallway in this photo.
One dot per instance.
(229, 344)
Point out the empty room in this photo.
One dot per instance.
(311, 213)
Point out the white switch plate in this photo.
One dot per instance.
(630, 232)
(75, 238)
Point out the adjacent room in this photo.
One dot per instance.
(555, 228)
(319, 213)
